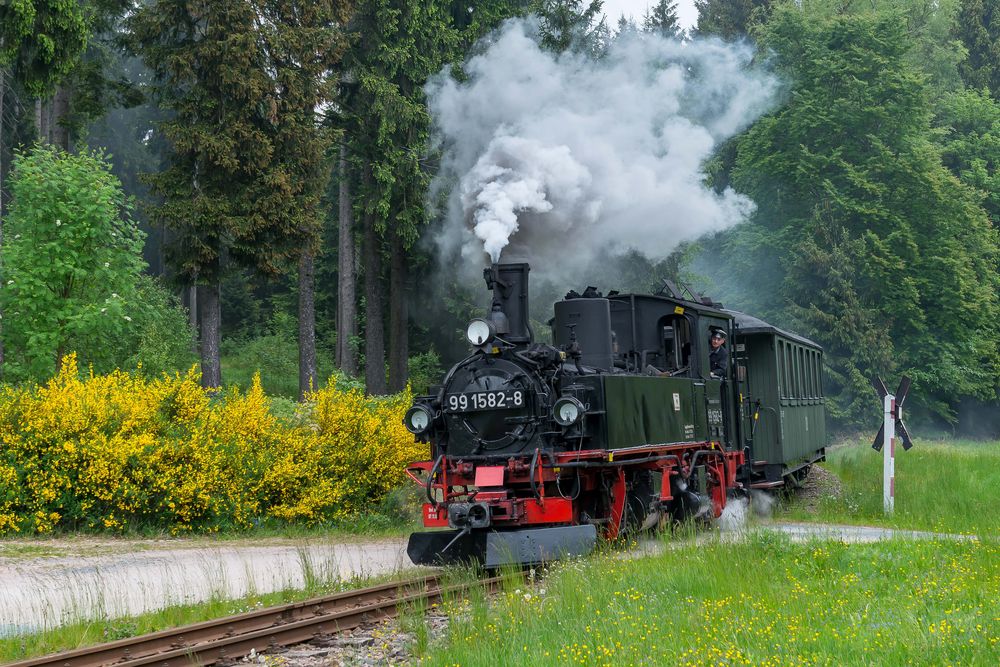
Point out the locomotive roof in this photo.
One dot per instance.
(748, 324)
(688, 304)
(745, 324)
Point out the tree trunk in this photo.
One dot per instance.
(210, 314)
(60, 116)
(374, 327)
(193, 309)
(399, 343)
(347, 312)
(39, 128)
(3, 89)
(307, 323)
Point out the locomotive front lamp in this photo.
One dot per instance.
(567, 411)
(480, 332)
(418, 419)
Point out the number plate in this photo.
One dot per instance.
(484, 400)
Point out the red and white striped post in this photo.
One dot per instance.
(889, 454)
(892, 409)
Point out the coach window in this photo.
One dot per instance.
(810, 385)
(795, 373)
(790, 371)
(797, 370)
(785, 371)
(801, 353)
(781, 369)
(814, 374)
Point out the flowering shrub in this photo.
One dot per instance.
(118, 451)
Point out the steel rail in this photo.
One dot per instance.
(233, 637)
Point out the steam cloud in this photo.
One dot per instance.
(556, 159)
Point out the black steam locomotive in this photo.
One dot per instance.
(619, 425)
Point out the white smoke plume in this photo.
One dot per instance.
(554, 159)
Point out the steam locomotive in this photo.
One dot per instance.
(617, 426)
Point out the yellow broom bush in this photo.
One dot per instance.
(118, 451)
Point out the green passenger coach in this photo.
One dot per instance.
(784, 411)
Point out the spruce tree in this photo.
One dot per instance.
(399, 44)
(729, 19)
(303, 42)
(41, 41)
(217, 190)
(978, 27)
(571, 25)
(661, 19)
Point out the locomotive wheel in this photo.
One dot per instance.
(638, 498)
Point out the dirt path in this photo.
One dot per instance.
(39, 592)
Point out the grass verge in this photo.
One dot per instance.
(765, 601)
(945, 486)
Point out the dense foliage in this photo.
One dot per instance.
(119, 451)
(863, 239)
(287, 149)
(72, 273)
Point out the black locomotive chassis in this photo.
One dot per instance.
(528, 483)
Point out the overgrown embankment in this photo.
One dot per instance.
(950, 486)
(122, 452)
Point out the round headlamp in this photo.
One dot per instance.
(567, 411)
(480, 332)
(417, 419)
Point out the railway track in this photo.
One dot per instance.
(229, 639)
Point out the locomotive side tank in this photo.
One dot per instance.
(538, 450)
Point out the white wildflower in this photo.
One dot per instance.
(10, 282)
(104, 310)
(107, 265)
(128, 319)
(114, 295)
(58, 223)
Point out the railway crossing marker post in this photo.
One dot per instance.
(885, 441)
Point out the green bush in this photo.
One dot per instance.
(161, 339)
(275, 355)
(71, 263)
(425, 370)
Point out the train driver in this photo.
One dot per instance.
(718, 358)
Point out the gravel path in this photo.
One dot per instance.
(44, 592)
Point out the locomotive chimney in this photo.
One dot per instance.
(509, 310)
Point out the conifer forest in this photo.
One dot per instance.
(312, 188)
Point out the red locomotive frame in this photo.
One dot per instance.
(524, 490)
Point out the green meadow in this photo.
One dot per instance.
(769, 601)
(944, 486)
(762, 601)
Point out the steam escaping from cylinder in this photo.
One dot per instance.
(734, 515)
(555, 159)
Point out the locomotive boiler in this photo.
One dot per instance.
(538, 450)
